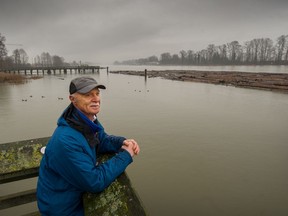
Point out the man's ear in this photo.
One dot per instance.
(72, 98)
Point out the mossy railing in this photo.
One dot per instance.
(20, 160)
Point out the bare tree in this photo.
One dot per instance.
(247, 51)
(57, 60)
(3, 50)
(223, 53)
(233, 50)
(46, 59)
(8, 61)
(16, 57)
(175, 59)
(266, 46)
(280, 46)
(37, 61)
(202, 56)
(286, 52)
(153, 59)
(23, 56)
(211, 51)
(183, 55)
(165, 58)
(190, 56)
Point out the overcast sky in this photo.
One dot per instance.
(103, 31)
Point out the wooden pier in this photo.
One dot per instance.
(53, 70)
(20, 160)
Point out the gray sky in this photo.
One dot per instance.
(102, 31)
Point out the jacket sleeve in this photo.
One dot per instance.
(75, 164)
(109, 143)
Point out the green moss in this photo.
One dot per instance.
(112, 201)
(14, 159)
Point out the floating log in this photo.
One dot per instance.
(262, 81)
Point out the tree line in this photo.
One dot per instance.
(260, 51)
(20, 58)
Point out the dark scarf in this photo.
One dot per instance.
(77, 120)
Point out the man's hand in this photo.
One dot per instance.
(131, 146)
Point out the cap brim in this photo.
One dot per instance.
(91, 87)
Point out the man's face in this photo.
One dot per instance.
(88, 103)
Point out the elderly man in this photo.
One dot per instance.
(69, 165)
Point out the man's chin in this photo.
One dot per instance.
(95, 112)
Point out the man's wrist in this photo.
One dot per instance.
(122, 150)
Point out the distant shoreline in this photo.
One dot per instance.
(277, 82)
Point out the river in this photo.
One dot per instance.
(205, 149)
(241, 68)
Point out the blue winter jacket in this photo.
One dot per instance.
(68, 169)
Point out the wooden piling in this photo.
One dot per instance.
(145, 74)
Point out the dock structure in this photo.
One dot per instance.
(21, 160)
(53, 70)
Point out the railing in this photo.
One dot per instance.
(20, 160)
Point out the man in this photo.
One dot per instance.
(69, 165)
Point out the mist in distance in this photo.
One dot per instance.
(101, 32)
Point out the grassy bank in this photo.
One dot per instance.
(15, 78)
(11, 78)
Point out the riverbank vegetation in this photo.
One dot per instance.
(259, 51)
(11, 78)
(15, 78)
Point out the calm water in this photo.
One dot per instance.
(205, 149)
